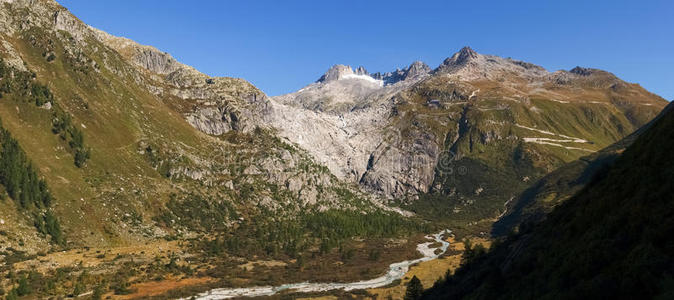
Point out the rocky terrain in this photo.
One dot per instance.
(476, 131)
(98, 127)
(137, 109)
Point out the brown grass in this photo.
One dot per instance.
(156, 288)
(428, 272)
(95, 256)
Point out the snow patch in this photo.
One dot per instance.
(570, 139)
(546, 141)
(363, 77)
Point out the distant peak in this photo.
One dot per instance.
(582, 71)
(467, 52)
(361, 71)
(459, 59)
(338, 72)
(464, 55)
(417, 68)
(335, 72)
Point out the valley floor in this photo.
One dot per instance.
(171, 269)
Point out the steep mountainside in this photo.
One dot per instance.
(110, 127)
(559, 185)
(110, 145)
(612, 240)
(464, 138)
(121, 166)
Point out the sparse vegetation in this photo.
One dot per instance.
(23, 84)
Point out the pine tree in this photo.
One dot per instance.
(98, 293)
(12, 295)
(414, 289)
(23, 288)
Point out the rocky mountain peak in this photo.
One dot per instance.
(465, 54)
(470, 65)
(336, 72)
(459, 59)
(582, 71)
(417, 68)
(361, 71)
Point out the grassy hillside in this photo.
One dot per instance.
(499, 137)
(112, 164)
(610, 240)
(559, 185)
(112, 149)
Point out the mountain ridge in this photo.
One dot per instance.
(607, 240)
(466, 66)
(137, 149)
(143, 114)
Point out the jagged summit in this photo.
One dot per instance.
(471, 65)
(578, 70)
(417, 68)
(361, 71)
(337, 72)
(465, 55)
(459, 59)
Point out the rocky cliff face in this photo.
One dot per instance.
(388, 131)
(476, 129)
(471, 65)
(415, 70)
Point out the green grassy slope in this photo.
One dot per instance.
(557, 186)
(492, 158)
(611, 240)
(150, 173)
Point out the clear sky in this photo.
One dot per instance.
(281, 46)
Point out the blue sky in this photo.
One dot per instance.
(280, 46)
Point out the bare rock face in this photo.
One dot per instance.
(416, 69)
(155, 61)
(361, 71)
(342, 120)
(219, 105)
(402, 167)
(213, 120)
(336, 72)
(470, 65)
(391, 137)
(463, 57)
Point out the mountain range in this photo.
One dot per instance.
(110, 144)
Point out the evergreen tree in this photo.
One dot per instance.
(12, 295)
(98, 293)
(23, 288)
(414, 289)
